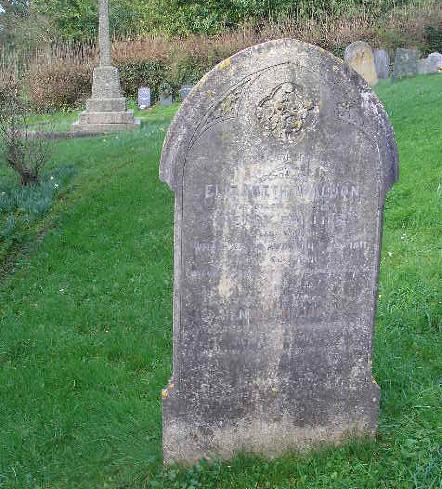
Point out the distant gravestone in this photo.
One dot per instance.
(405, 63)
(185, 90)
(144, 98)
(166, 100)
(431, 64)
(359, 56)
(382, 63)
(424, 67)
(435, 60)
(280, 160)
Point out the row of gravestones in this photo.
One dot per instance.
(374, 65)
(165, 99)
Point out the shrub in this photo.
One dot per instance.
(22, 152)
(61, 76)
(433, 35)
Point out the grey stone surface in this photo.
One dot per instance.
(185, 90)
(144, 98)
(424, 67)
(405, 63)
(382, 63)
(435, 60)
(280, 160)
(431, 64)
(166, 100)
(359, 56)
(104, 39)
(106, 111)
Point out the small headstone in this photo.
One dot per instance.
(405, 63)
(435, 59)
(166, 100)
(359, 56)
(144, 98)
(185, 90)
(424, 67)
(382, 63)
(280, 166)
(166, 94)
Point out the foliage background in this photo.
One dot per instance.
(77, 19)
(50, 43)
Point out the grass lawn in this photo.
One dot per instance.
(86, 317)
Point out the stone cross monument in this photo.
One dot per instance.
(106, 111)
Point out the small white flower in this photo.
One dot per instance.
(61, 291)
(389, 253)
(52, 177)
(56, 185)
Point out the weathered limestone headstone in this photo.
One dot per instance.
(405, 63)
(382, 63)
(280, 160)
(106, 111)
(166, 100)
(184, 91)
(431, 64)
(359, 56)
(436, 61)
(144, 98)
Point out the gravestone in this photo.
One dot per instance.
(166, 100)
(359, 56)
(107, 110)
(435, 60)
(424, 67)
(431, 64)
(144, 98)
(405, 63)
(184, 91)
(382, 63)
(280, 160)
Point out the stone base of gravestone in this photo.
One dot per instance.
(106, 111)
(405, 63)
(359, 56)
(382, 63)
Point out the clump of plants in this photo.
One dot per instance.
(26, 199)
(21, 149)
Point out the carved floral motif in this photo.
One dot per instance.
(287, 111)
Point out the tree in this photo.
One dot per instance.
(21, 27)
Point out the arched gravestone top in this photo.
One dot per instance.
(280, 159)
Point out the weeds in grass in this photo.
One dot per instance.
(22, 207)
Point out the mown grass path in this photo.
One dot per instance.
(85, 328)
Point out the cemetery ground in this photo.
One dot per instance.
(85, 324)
